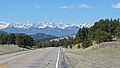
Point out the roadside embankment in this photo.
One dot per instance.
(104, 55)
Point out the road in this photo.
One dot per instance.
(42, 58)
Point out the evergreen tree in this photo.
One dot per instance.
(1, 39)
(24, 41)
(86, 43)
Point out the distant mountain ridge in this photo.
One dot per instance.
(56, 28)
(42, 36)
(2, 32)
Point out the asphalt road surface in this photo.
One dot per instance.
(42, 58)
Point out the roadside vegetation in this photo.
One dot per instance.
(10, 43)
(22, 40)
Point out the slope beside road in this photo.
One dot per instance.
(42, 58)
(105, 55)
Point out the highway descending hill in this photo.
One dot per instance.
(42, 58)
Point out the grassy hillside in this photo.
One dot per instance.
(104, 55)
(5, 49)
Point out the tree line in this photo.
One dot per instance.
(56, 43)
(103, 30)
(22, 40)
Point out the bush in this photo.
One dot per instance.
(102, 36)
(86, 43)
(78, 47)
(24, 41)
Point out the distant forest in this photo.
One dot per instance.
(22, 40)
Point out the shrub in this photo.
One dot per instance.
(86, 43)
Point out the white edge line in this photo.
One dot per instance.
(57, 62)
(66, 60)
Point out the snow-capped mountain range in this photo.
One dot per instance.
(55, 28)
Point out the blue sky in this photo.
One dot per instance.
(66, 11)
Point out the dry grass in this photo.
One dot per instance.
(105, 55)
(5, 49)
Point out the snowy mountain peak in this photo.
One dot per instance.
(54, 28)
(42, 25)
(57, 25)
(27, 25)
(52, 25)
(86, 25)
(4, 25)
(24, 25)
(72, 25)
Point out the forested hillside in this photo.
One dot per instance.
(103, 30)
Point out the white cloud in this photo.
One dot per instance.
(116, 6)
(36, 6)
(85, 6)
(66, 7)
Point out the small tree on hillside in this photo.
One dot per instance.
(1, 40)
(86, 43)
(24, 41)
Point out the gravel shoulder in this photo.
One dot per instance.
(105, 55)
